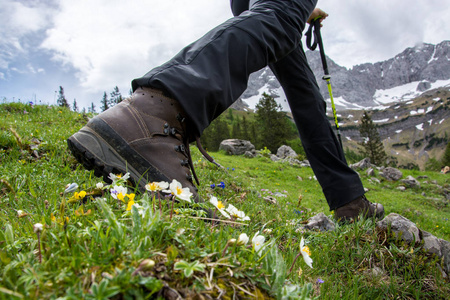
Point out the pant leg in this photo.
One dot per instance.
(339, 182)
(207, 76)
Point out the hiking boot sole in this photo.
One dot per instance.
(97, 147)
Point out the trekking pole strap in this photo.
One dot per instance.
(314, 39)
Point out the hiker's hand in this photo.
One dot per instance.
(317, 13)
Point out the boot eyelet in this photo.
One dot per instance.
(180, 148)
(180, 118)
(173, 131)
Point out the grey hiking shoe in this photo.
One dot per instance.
(145, 135)
(360, 206)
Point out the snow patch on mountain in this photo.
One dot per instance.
(405, 92)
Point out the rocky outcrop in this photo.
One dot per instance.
(408, 232)
(401, 228)
(236, 147)
(285, 152)
(320, 222)
(391, 174)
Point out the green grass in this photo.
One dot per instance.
(102, 251)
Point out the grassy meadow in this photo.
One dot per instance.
(95, 245)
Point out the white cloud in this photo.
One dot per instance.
(360, 31)
(113, 42)
(20, 21)
(108, 43)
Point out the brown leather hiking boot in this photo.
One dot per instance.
(359, 206)
(145, 135)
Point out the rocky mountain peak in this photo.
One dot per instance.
(411, 72)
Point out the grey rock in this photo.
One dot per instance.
(411, 182)
(370, 172)
(273, 157)
(285, 152)
(292, 161)
(401, 188)
(361, 165)
(305, 163)
(236, 146)
(445, 253)
(423, 86)
(375, 180)
(391, 174)
(270, 200)
(320, 222)
(401, 227)
(250, 154)
(431, 243)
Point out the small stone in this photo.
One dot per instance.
(401, 227)
(320, 222)
(361, 165)
(273, 157)
(431, 243)
(285, 152)
(445, 254)
(236, 146)
(411, 182)
(270, 200)
(391, 174)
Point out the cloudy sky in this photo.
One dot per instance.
(90, 46)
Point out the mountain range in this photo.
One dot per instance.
(403, 77)
(408, 97)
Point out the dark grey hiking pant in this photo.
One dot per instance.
(210, 74)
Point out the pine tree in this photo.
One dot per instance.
(230, 114)
(372, 147)
(236, 132)
(75, 106)
(116, 97)
(244, 129)
(274, 128)
(62, 101)
(92, 108)
(221, 133)
(104, 102)
(446, 158)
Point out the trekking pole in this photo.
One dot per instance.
(318, 41)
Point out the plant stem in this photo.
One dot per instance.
(224, 250)
(39, 247)
(293, 263)
(171, 210)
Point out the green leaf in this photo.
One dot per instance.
(189, 268)
(180, 265)
(9, 234)
(32, 192)
(11, 293)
